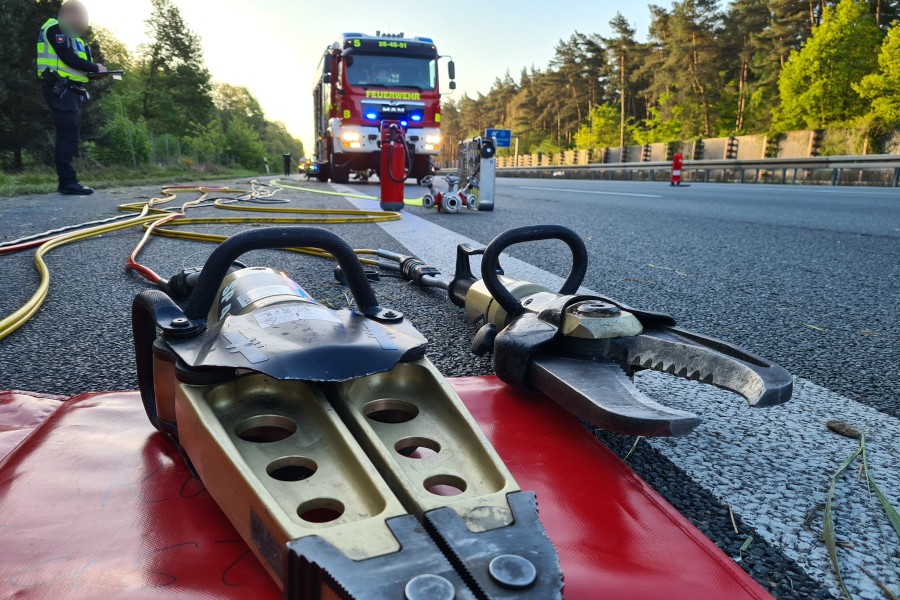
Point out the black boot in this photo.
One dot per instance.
(74, 189)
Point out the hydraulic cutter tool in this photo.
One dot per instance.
(336, 449)
(582, 350)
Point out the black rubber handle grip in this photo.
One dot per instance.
(227, 252)
(534, 233)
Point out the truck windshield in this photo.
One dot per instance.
(391, 71)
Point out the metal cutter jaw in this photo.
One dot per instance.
(583, 352)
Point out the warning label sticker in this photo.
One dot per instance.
(297, 312)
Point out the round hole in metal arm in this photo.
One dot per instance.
(390, 410)
(292, 468)
(419, 448)
(445, 485)
(265, 429)
(321, 510)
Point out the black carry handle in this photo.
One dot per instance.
(216, 267)
(491, 261)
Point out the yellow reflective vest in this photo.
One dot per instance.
(48, 59)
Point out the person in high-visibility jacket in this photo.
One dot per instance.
(64, 63)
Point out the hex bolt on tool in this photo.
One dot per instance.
(339, 453)
(582, 351)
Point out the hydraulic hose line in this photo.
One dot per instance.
(165, 223)
(18, 318)
(312, 190)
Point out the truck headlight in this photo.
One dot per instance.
(434, 138)
(350, 136)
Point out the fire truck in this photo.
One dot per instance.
(367, 79)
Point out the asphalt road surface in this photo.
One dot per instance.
(768, 267)
(804, 276)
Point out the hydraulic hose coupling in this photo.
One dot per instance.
(451, 203)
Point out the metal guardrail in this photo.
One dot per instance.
(877, 169)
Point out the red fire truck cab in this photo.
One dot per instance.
(364, 80)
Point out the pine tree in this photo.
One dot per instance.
(693, 57)
(566, 62)
(177, 88)
(818, 82)
(745, 21)
(625, 55)
(594, 65)
(885, 12)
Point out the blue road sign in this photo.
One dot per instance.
(503, 136)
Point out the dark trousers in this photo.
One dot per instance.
(67, 117)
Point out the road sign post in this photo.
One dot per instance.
(502, 137)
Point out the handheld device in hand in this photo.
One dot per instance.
(114, 74)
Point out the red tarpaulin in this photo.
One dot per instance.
(94, 504)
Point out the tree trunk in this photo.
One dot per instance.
(742, 102)
(575, 97)
(695, 71)
(17, 165)
(558, 127)
(622, 99)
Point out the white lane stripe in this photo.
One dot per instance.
(763, 187)
(599, 193)
(816, 189)
(772, 466)
(438, 244)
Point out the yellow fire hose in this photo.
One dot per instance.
(152, 219)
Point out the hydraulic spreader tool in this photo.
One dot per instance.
(582, 350)
(336, 449)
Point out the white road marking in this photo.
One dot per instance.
(818, 189)
(772, 466)
(599, 193)
(814, 189)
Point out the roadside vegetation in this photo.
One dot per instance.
(42, 180)
(165, 118)
(706, 70)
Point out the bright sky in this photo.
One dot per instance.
(273, 46)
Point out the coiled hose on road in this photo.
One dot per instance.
(163, 223)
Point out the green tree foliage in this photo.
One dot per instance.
(749, 75)
(707, 69)
(124, 142)
(176, 83)
(818, 83)
(658, 129)
(23, 115)
(602, 131)
(167, 90)
(882, 88)
(694, 55)
(207, 140)
(623, 75)
(243, 143)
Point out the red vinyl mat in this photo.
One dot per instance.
(94, 504)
